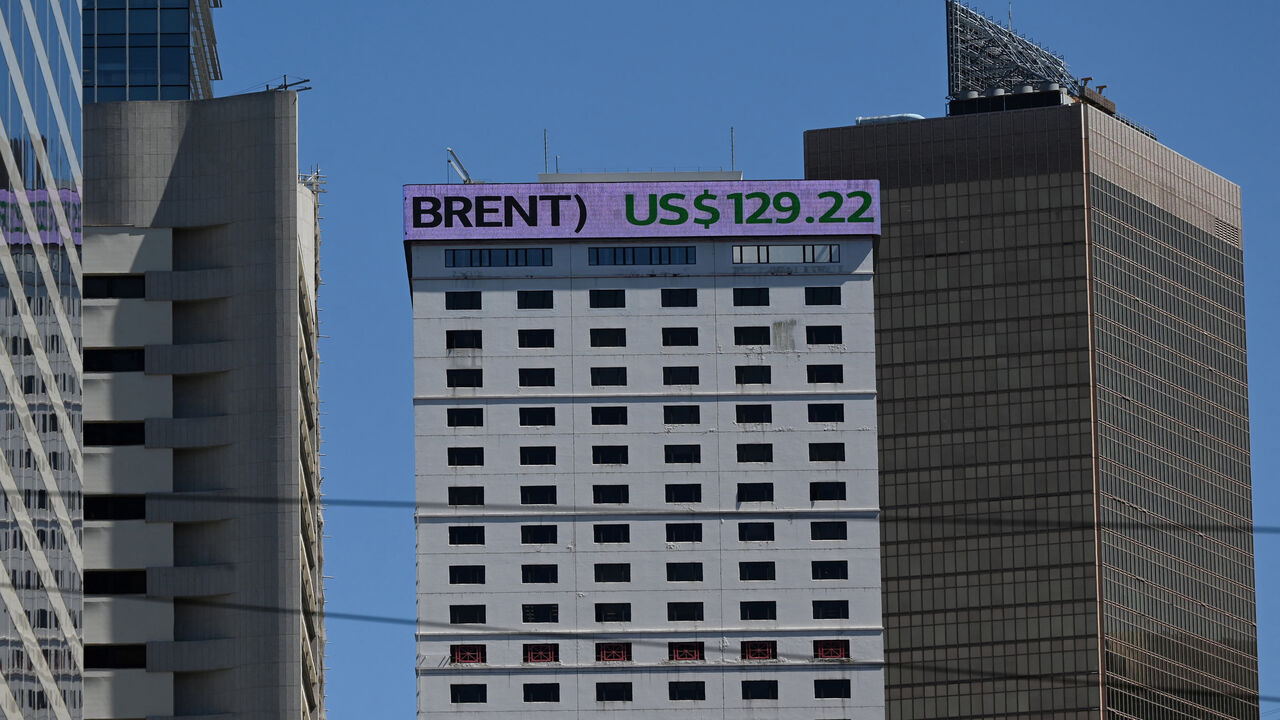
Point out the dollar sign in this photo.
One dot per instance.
(702, 203)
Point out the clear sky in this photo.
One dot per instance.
(635, 86)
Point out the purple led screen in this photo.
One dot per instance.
(16, 230)
(746, 208)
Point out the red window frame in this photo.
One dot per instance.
(685, 651)
(613, 652)
(466, 653)
(831, 649)
(549, 652)
(759, 650)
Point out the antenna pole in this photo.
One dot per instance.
(733, 161)
(557, 164)
(545, 167)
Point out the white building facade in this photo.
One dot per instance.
(646, 466)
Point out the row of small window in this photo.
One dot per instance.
(676, 651)
(617, 337)
(617, 376)
(621, 612)
(671, 415)
(621, 533)
(676, 690)
(754, 571)
(620, 454)
(671, 297)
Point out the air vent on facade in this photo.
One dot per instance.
(1226, 232)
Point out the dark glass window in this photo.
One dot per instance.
(686, 690)
(613, 612)
(115, 657)
(609, 454)
(823, 335)
(755, 452)
(540, 338)
(541, 692)
(540, 613)
(684, 532)
(464, 417)
(538, 455)
(826, 452)
(830, 569)
(466, 495)
(753, 374)
(607, 298)
(611, 533)
(466, 535)
(680, 336)
(468, 693)
(833, 490)
(758, 610)
(534, 300)
(684, 572)
(679, 297)
(828, 530)
(825, 373)
(613, 572)
(684, 493)
(537, 377)
(756, 571)
(754, 413)
(113, 286)
(833, 688)
(664, 255)
(462, 300)
(461, 339)
(465, 456)
(681, 375)
(750, 297)
(537, 416)
(608, 376)
(608, 337)
(830, 609)
(537, 534)
(464, 378)
(466, 614)
(832, 412)
(115, 507)
(514, 257)
(539, 574)
(538, 495)
(755, 531)
(115, 359)
(684, 454)
(609, 415)
(822, 296)
(114, 434)
(759, 689)
(684, 611)
(755, 335)
(755, 492)
(610, 494)
(115, 582)
(613, 692)
(466, 574)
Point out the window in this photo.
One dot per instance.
(540, 613)
(755, 532)
(537, 534)
(539, 574)
(679, 297)
(826, 452)
(115, 657)
(830, 609)
(537, 494)
(830, 649)
(537, 377)
(115, 582)
(755, 254)
(750, 297)
(754, 414)
(756, 571)
(613, 572)
(755, 492)
(541, 692)
(833, 412)
(609, 415)
(515, 257)
(115, 286)
(538, 455)
(828, 530)
(686, 690)
(679, 337)
(830, 569)
(754, 335)
(758, 610)
(684, 493)
(115, 507)
(117, 434)
(826, 491)
(679, 651)
(466, 574)
(468, 693)
(462, 300)
(465, 456)
(678, 255)
(464, 417)
(611, 533)
(541, 338)
(466, 495)
(612, 652)
(609, 454)
(684, 454)
(822, 296)
(613, 612)
(826, 373)
(467, 653)
(466, 535)
(606, 376)
(114, 359)
(834, 688)
(537, 416)
(759, 649)
(759, 689)
(684, 532)
(464, 378)
(534, 300)
(753, 374)
(607, 298)
(610, 494)
(461, 339)
(684, 572)
(755, 452)
(545, 652)
(608, 337)
(680, 375)
(684, 612)
(823, 335)
(466, 614)
(613, 692)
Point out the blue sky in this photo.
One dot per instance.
(657, 85)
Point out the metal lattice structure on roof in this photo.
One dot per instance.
(982, 54)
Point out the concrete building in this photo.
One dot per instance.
(202, 474)
(149, 50)
(645, 455)
(41, 648)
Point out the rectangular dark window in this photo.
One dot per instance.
(613, 692)
(825, 373)
(466, 614)
(823, 334)
(754, 413)
(537, 377)
(822, 296)
(684, 493)
(115, 507)
(686, 690)
(613, 572)
(608, 376)
(826, 412)
(114, 434)
(754, 335)
(680, 375)
(115, 582)
(537, 416)
(683, 454)
(466, 535)
(539, 338)
(538, 455)
(609, 415)
(113, 286)
(755, 531)
(759, 650)
(613, 612)
(462, 339)
(542, 692)
(464, 417)
(534, 300)
(468, 693)
(537, 534)
(826, 452)
(462, 300)
(684, 611)
(463, 456)
(756, 571)
(758, 610)
(607, 298)
(830, 649)
(832, 490)
(539, 574)
(542, 652)
(466, 495)
(680, 336)
(608, 337)
(828, 530)
(611, 533)
(610, 494)
(115, 657)
(832, 688)
(755, 452)
(613, 652)
(470, 377)
(609, 454)
(540, 613)
(759, 689)
(115, 359)
(679, 297)
(684, 572)
(487, 257)
(537, 494)
(467, 654)
(662, 255)
(755, 492)
(685, 651)
(466, 574)
(830, 609)
(753, 374)
(750, 297)
(684, 532)
(830, 569)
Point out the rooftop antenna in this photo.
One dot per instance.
(545, 167)
(286, 85)
(733, 162)
(455, 162)
(1010, 14)
(557, 164)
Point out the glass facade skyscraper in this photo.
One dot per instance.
(149, 50)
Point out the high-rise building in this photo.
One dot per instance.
(645, 448)
(202, 467)
(1063, 408)
(149, 50)
(41, 647)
